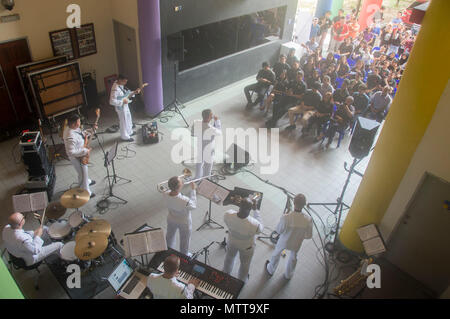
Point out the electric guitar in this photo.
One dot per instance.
(129, 96)
(88, 138)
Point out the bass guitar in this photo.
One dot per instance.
(88, 138)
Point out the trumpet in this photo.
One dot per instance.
(163, 187)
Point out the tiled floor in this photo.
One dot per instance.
(304, 168)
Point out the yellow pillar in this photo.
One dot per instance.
(420, 90)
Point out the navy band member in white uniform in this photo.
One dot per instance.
(27, 245)
(166, 285)
(74, 143)
(243, 229)
(205, 133)
(179, 217)
(118, 91)
(293, 228)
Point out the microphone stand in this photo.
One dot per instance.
(203, 251)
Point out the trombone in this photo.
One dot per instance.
(163, 187)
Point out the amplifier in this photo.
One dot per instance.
(30, 142)
(37, 182)
(150, 134)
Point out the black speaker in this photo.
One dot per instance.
(150, 134)
(37, 161)
(238, 157)
(175, 47)
(90, 88)
(363, 137)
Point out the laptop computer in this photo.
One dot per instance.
(126, 282)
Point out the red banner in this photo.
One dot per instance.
(368, 10)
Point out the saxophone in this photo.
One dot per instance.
(88, 138)
(354, 279)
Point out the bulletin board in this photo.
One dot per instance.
(74, 43)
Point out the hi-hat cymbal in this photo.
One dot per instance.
(75, 198)
(90, 247)
(55, 210)
(98, 227)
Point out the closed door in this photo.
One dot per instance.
(6, 106)
(126, 48)
(421, 244)
(12, 54)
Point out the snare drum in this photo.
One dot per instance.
(77, 219)
(59, 230)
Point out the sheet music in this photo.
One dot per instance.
(137, 244)
(367, 232)
(212, 191)
(38, 201)
(374, 246)
(156, 241)
(22, 203)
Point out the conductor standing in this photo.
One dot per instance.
(293, 228)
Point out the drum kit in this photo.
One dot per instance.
(85, 239)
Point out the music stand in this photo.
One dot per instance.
(109, 159)
(209, 220)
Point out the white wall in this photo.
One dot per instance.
(432, 155)
(38, 18)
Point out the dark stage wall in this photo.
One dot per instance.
(211, 76)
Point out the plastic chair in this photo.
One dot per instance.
(337, 56)
(351, 62)
(339, 82)
(376, 49)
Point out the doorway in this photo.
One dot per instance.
(126, 48)
(420, 245)
(14, 108)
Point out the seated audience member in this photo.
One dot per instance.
(355, 83)
(293, 71)
(313, 79)
(324, 64)
(322, 115)
(279, 89)
(166, 285)
(358, 68)
(346, 48)
(308, 68)
(291, 58)
(341, 119)
(343, 68)
(341, 94)
(374, 80)
(331, 72)
(390, 80)
(281, 66)
(27, 245)
(265, 78)
(307, 107)
(361, 100)
(310, 46)
(326, 86)
(294, 96)
(379, 105)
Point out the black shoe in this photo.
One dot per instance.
(265, 268)
(133, 134)
(92, 183)
(129, 140)
(291, 127)
(92, 195)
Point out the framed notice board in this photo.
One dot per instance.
(74, 43)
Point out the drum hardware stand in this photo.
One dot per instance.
(209, 220)
(175, 104)
(274, 236)
(339, 205)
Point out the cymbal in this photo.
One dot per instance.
(98, 227)
(75, 198)
(55, 210)
(90, 247)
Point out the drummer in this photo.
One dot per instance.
(27, 245)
